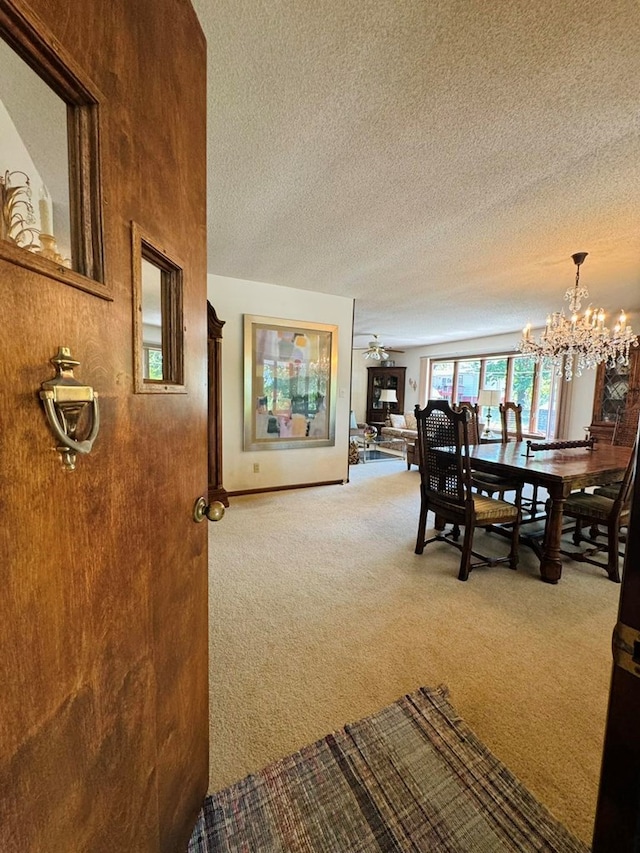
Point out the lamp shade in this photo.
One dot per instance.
(388, 395)
(489, 397)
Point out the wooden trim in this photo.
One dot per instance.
(216, 492)
(43, 266)
(508, 385)
(85, 191)
(596, 414)
(28, 36)
(25, 33)
(240, 492)
(476, 357)
(214, 323)
(535, 399)
(143, 247)
(172, 324)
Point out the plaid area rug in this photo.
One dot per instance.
(412, 777)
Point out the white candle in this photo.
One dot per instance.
(46, 212)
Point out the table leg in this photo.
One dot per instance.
(550, 564)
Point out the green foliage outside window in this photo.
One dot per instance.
(153, 363)
(530, 384)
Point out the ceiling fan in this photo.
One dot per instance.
(377, 350)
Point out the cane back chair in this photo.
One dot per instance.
(445, 488)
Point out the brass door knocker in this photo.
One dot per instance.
(64, 399)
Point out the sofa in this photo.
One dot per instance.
(403, 426)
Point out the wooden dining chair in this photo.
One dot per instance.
(472, 411)
(511, 423)
(612, 489)
(610, 512)
(494, 484)
(445, 489)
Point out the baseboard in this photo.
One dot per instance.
(241, 492)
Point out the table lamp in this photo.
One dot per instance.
(487, 398)
(388, 395)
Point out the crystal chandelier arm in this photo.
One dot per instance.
(580, 341)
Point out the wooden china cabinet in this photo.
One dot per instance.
(380, 379)
(616, 402)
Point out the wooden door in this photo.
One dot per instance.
(103, 612)
(617, 825)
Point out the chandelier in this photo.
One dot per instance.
(581, 341)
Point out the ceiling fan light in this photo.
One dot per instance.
(376, 350)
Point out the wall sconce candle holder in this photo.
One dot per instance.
(18, 221)
(17, 218)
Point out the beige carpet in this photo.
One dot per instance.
(321, 614)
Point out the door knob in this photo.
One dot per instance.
(213, 511)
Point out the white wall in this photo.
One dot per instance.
(580, 390)
(233, 298)
(16, 158)
(580, 404)
(14, 152)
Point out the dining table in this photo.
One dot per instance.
(560, 471)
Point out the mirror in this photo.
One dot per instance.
(158, 320)
(151, 322)
(34, 162)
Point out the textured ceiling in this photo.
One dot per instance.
(437, 160)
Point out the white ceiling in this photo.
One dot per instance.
(437, 160)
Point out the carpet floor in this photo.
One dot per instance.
(411, 777)
(321, 614)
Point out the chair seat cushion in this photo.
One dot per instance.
(492, 509)
(611, 491)
(584, 505)
(486, 510)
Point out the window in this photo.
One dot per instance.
(494, 373)
(441, 384)
(468, 381)
(517, 377)
(152, 362)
